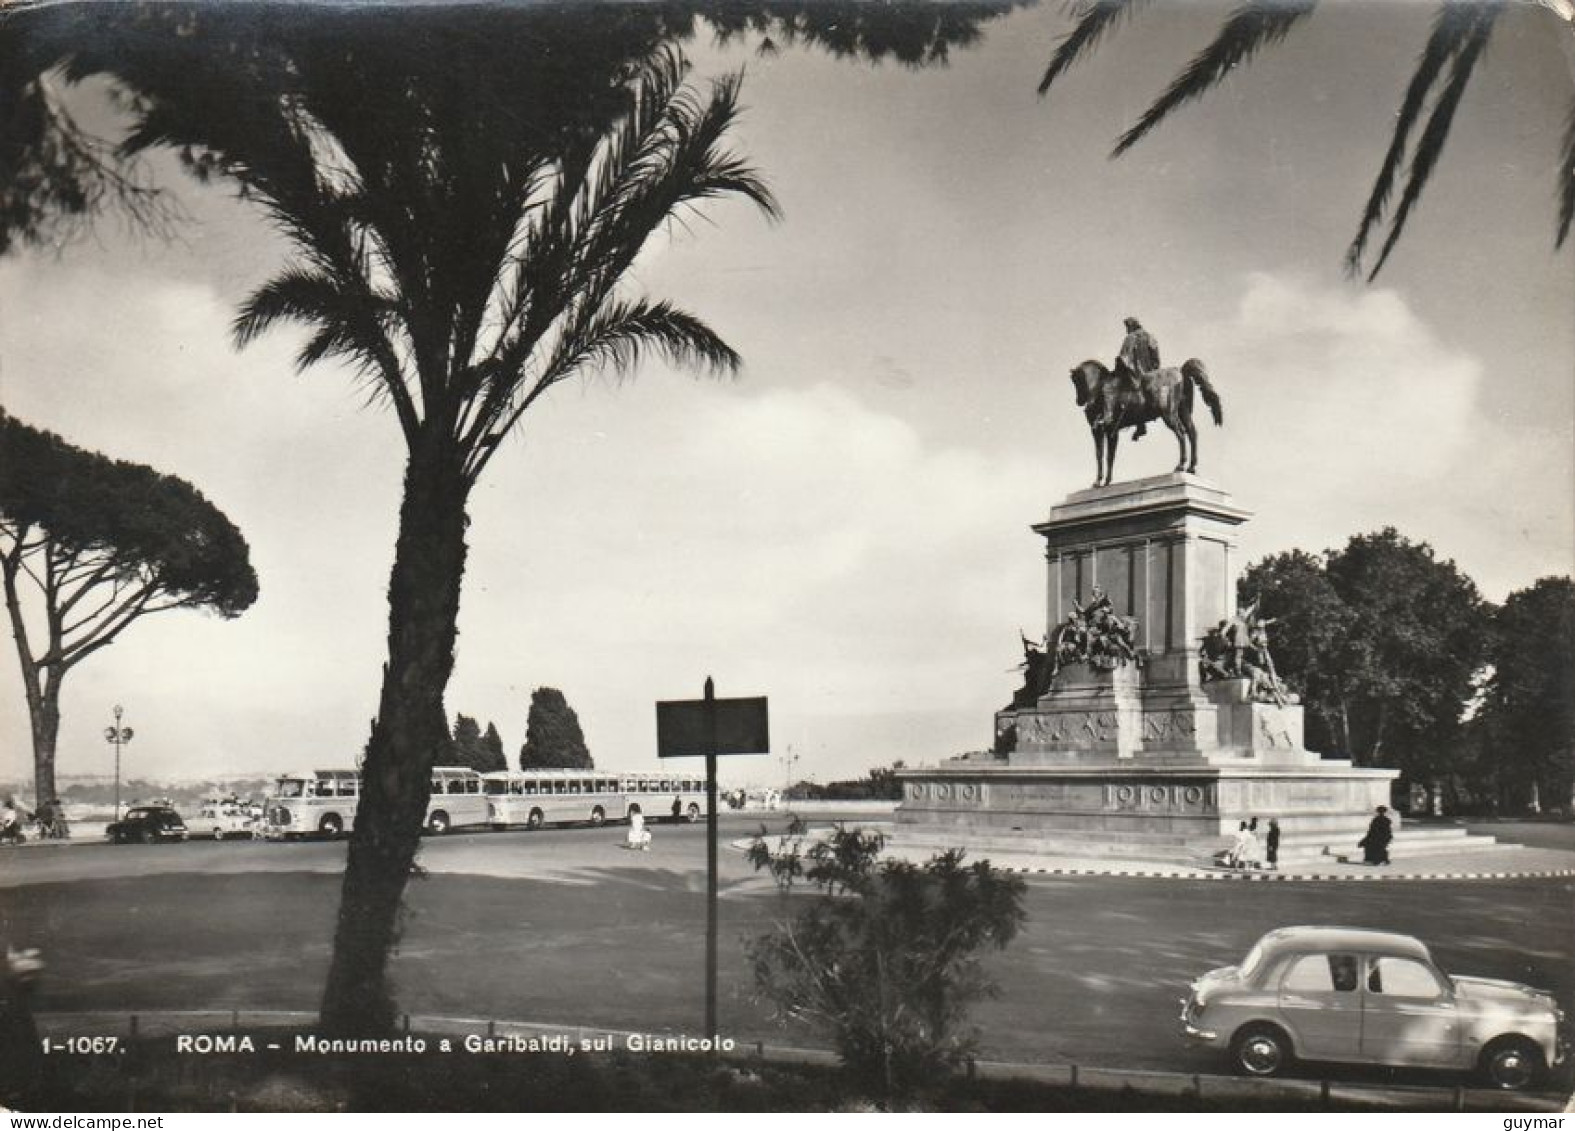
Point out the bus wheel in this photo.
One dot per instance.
(693, 813)
(331, 825)
(598, 816)
(437, 824)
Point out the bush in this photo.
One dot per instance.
(887, 958)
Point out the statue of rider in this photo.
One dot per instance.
(1139, 355)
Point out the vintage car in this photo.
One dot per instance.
(144, 824)
(1370, 997)
(220, 821)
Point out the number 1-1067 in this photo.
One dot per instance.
(82, 1045)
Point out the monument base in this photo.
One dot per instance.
(1174, 813)
(1115, 745)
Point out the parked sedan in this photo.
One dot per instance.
(146, 824)
(1370, 997)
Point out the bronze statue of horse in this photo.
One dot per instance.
(1165, 395)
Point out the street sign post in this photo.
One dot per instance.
(706, 728)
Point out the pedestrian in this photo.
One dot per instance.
(1252, 850)
(1271, 843)
(678, 808)
(21, 1063)
(1375, 845)
(639, 835)
(1238, 846)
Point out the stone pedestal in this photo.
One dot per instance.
(1141, 760)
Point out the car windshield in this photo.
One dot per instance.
(1249, 965)
(139, 814)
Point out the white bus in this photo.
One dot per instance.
(534, 798)
(322, 802)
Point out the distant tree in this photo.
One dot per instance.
(88, 545)
(1422, 633)
(887, 957)
(464, 745)
(880, 784)
(1384, 640)
(553, 737)
(1528, 708)
(493, 758)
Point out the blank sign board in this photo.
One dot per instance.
(683, 727)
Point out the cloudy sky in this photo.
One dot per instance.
(845, 528)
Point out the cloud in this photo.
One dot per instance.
(795, 543)
(1348, 411)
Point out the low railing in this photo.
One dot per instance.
(144, 1025)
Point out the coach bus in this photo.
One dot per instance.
(322, 802)
(534, 798)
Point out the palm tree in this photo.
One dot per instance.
(1460, 34)
(465, 256)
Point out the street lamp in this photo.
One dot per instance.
(117, 736)
(787, 769)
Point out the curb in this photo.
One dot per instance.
(1287, 877)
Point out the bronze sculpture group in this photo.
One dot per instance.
(1238, 648)
(1137, 391)
(1093, 634)
(1096, 635)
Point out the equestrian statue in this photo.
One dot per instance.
(1137, 391)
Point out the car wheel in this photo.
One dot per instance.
(437, 824)
(145, 836)
(693, 813)
(1261, 1050)
(331, 825)
(535, 820)
(598, 816)
(1512, 1063)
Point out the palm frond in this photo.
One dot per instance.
(1431, 144)
(619, 335)
(1094, 21)
(1250, 27)
(1450, 29)
(291, 296)
(1567, 181)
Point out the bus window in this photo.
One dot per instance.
(472, 785)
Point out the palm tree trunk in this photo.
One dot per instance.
(411, 727)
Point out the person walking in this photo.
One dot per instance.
(1271, 844)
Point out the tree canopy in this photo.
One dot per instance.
(89, 544)
(1527, 714)
(469, 747)
(553, 738)
(1383, 640)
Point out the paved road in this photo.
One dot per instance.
(566, 926)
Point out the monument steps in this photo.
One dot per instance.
(1171, 848)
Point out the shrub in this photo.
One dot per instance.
(888, 956)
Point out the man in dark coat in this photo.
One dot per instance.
(1380, 831)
